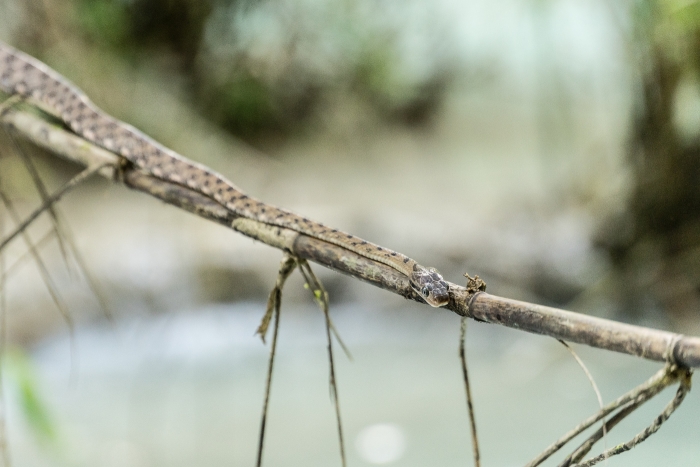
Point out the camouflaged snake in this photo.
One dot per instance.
(26, 76)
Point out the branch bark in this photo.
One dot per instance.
(643, 342)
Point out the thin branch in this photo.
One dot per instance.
(593, 385)
(46, 277)
(470, 405)
(48, 202)
(274, 302)
(585, 370)
(63, 233)
(645, 391)
(585, 447)
(27, 255)
(90, 278)
(572, 327)
(43, 193)
(682, 391)
(43, 270)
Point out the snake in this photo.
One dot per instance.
(31, 79)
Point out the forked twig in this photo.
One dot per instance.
(645, 391)
(27, 255)
(684, 374)
(43, 270)
(585, 447)
(470, 405)
(48, 202)
(63, 232)
(274, 303)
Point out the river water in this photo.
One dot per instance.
(186, 389)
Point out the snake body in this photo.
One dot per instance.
(21, 74)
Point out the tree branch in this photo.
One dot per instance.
(573, 327)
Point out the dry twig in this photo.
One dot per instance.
(684, 374)
(43, 270)
(48, 202)
(44, 194)
(642, 393)
(467, 389)
(591, 380)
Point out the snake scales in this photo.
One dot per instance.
(25, 76)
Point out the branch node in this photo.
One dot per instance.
(670, 353)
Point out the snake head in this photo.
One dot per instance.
(430, 285)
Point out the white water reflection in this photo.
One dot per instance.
(381, 443)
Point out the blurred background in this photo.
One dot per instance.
(550, 146)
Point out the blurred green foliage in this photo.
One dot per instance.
(683, 16)
(245, 105)
(143, 26)
(261, 67)
(104, 21)
(20, 373)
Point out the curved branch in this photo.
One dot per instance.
(643, 342)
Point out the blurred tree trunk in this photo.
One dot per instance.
(655, 245)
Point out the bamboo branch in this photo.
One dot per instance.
(643, 342)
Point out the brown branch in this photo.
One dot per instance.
(643, 342)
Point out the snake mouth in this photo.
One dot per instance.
(442, 302)
(438, 299)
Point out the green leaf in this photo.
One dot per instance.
(21, 372)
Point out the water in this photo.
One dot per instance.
(187, 389)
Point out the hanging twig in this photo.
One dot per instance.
(274, 302)
(593, 385)
(27, 255)
(321, 297)
(470, 405)
(43, 270)
(90, 278)
(63, 232)
(44, 195)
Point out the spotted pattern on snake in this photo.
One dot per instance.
(28, 77)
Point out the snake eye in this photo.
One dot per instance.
(425, 291)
